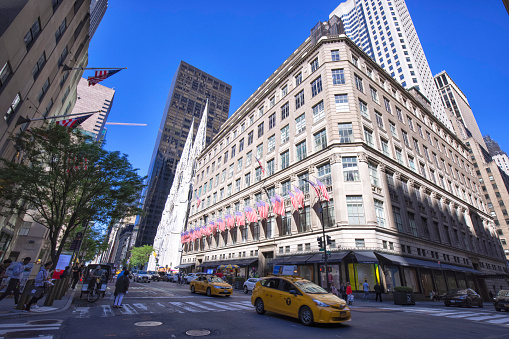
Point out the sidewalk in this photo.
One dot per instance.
(359, 303)
(7, 307)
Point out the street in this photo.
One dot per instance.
(169, 310)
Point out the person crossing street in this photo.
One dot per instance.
(13, 286)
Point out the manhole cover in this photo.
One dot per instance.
(44, 322)
(148, 323)
(197, 333)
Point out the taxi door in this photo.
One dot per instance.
(270, 293)
(198, 283)
(289, 303)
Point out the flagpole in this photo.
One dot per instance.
(67, 68)
(22, 120)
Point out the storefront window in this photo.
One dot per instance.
(411, 278)
(359, 272)
(426, 281)
(462, 283)
(305, 271)
(392, 277)
(470, 281)
(451, 280)
(333, 276)
(440, 282)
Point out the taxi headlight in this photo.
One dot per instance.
(218, 287)
(462, 297)
(342, 306)
(321, 304)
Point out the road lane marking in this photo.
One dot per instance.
(83, 312)
(30, 329)
(186, 307)
(464, 315)
(220, 305)
(107, 311)
(498, 321)
(205, 307)
(242, 306)
(127, 309)
(486, 317)
(141, 307)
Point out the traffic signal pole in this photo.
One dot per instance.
(324, 239)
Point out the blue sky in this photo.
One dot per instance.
(243, 42)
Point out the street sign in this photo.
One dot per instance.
(322, 249)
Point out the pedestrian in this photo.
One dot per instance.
(122, 272)
(365, 287)
(342, 290)
(334, 290)
(76, 274)
(349, 293)
(378, 292)
(13, 286)
(41, 280)
(3, 269)
(121, 287)
(67, 272)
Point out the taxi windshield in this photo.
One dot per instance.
(142, 272)
(309, 287)
(215, 280)
(503, 293)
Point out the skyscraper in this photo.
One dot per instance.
(385, 31)
(190, 88)
(97, 10)
(94, 98)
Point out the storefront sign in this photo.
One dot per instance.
(284, 270)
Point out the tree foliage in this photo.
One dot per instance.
(64, 180)
(140, 255)
(95, 240)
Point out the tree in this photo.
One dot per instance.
(64, 179)
(140, 255)
(95, 240)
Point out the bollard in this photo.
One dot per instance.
(64, 286)
(50, 295)
(25, 296)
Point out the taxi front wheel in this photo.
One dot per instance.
(192, 289)
(245, 290)
(209, 292)
(260, 308)
(306, 316)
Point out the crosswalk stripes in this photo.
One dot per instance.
(10, 328)
(486, 317)
(197, 306)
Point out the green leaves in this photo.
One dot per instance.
(140, 255)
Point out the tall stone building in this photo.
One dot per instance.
(90, 99)
(385, 31)
(97, 11)
(405, 208)
(37, 39)
(190, 89)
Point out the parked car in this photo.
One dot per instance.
(191, 276)
(463, 297)
(142, 276)
(210, 285)
(501, 301)
(249, 284)
(299, 298)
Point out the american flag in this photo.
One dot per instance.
(231, 221)
(323, 189)
(263, 209)
(280, 205)
(241, 220)
(300, 196)
(220, 224)
(74, 122)
(317, 190)
(100, 76)
(251, 214)
(295, 203)
(191, 235)
(260, 163)
(198, 201)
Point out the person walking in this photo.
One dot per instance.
(342, 290)
(121, 287)
(39, 285)
(3, 269)
(334, 290)
(13, 286)
(349, 293)
(378, 292)
(76, 274)
(365, 287)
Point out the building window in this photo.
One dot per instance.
(318, 112)
(301, 150)
(299, 99)
(345, 133)
(324, 174)
(350, 169)
(411, 223)
(341, 101)
(355, 210)
(285, 159)
(303, 182)
(260, 111)
(239, 165)
(260, 130)
(387, 105)
(314, 65)
(335, 55)
(284, 91)
(258, 174)
(270, 167)
(358, 83)
(256, 231)
(241, 145)
(316, 87)
(394, 131)
(338, 77)
(300, 123)
(230, 171)
(271, 144)
(287, 224)
(5, 73)
(328, 214)
(298, 79)
(399, 114)
(411, 163)
(363, 107)
(385, 147)
(62, 57)
(373, 174)
(229, 190)
(320, 140)
(272, 120)
(237, 185)
(32, 33)
(285, 109)
(250, 138)
(397, 218)
(248, 158)
(368, 135)
(285, 134)
(405, 138)
(374, 94)
(247, 179)
(60, 30)
(259, 151)
(233, 154)
(12, 108)
(272, 102)
(380, 215)
(304, 220)
(43, 90)
(38, 66)
(379, 119)
(286, 188)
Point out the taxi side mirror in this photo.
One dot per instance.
(294, 292)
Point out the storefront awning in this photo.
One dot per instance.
(365, 257)
(280, 260)
(404, 261)
(211, 264)
(298, 259)
(244, 262)
(184, 265)
(334, 257)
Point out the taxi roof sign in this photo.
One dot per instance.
(284, 270)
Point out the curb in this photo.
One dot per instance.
(22, 314)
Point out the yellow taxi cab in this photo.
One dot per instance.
(210, 285)
(298, 298)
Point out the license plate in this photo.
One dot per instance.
(342, 314)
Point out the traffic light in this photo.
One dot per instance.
(320, 242)
(329, 240)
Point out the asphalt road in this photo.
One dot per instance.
(171, 310)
